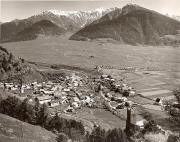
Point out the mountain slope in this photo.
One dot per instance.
(41, 28)
(10, 29)
(133, 25)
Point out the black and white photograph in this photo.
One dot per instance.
(90, 71)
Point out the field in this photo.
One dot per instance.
(99, 117)
(157, 69)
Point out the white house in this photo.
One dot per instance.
(54, 103)
(44, 99)
(75, 104)
(69, 109)
(141, 123)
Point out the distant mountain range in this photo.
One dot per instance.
(132, 25)
(67, 20)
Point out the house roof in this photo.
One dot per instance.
(41, 98)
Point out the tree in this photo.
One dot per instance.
(55, 123)
(116, 135)
(97, 135)
(62, 137)
(152, 127)
(177, 95)
(36, 110)
(42, 116)
(173, 109)
(5, 64)
(10, 57)
(10, 106)
(27, 113)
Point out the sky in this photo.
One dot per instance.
(10, 10)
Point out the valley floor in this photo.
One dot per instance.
(156, 69)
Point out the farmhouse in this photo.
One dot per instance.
(158, 101)
(75, 104)
(54, 103)
(44, 99)
(141, 123)
(69, 109)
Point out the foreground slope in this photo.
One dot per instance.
(13, 130)
(13, 68)
(133, 25)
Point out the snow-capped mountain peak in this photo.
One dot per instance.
(67, 13)
(101, 9)
(82, 18)
(62, 13)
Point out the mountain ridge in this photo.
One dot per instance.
(134, 25)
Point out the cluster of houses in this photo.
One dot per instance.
(54, 94)
(122, 88)
(117, 95)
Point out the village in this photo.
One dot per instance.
(76, 92)
(69, 92)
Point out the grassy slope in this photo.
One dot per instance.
(13, 130)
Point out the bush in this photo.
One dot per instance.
(3, 49)
(151, 126)
(100, 135)
(62, 137)
(153, 137)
